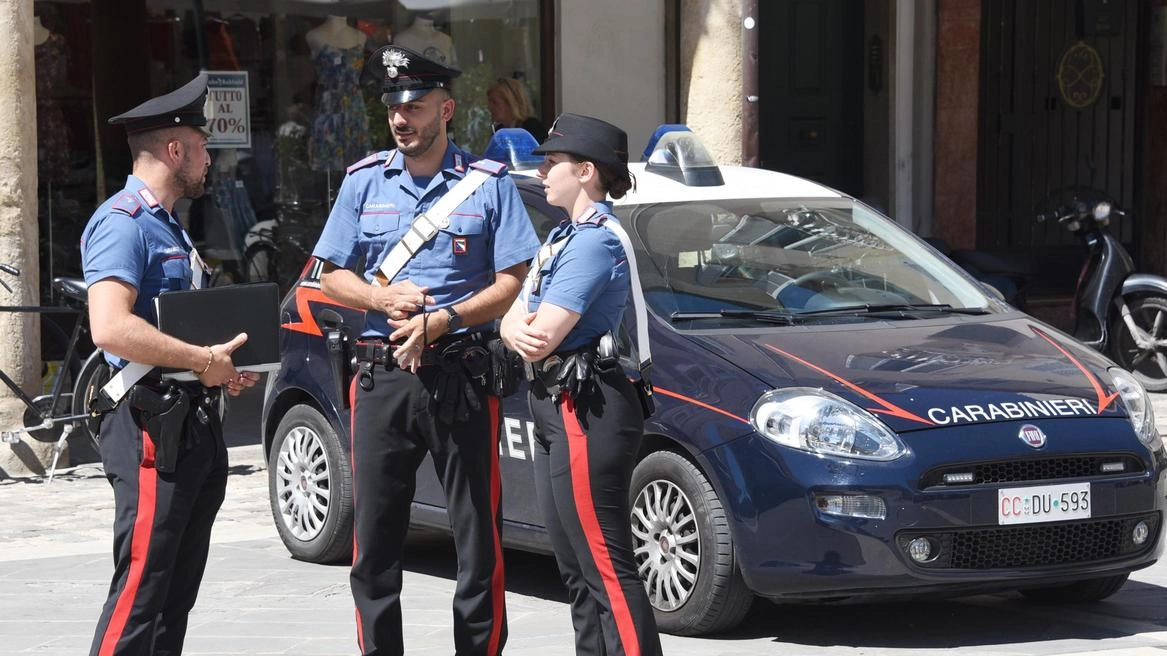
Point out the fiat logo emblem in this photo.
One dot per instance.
(1032, 436)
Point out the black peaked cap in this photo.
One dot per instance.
(183, 106)
(405, 75)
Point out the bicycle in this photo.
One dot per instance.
(56, 415)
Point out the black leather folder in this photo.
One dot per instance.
(216, 314)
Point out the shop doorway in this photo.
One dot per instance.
(810, 80)
(1058, 100)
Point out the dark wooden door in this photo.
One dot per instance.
(810, 80)
(1058, 100)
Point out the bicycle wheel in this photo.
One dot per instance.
(54, 346)
(94, 375)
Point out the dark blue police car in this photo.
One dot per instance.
(842, 414)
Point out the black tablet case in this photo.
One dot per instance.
(214, 315)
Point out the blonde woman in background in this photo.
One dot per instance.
(511, 108)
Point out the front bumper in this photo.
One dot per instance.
(788, 549)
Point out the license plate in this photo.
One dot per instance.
(1043, 503)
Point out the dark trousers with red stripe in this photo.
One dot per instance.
(162, 531)
(584, 454)
(393, 426)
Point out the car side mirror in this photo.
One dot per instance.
(993, 291)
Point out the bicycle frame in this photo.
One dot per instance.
(46, 414)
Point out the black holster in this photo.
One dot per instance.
(164, 415)
(506, 369)
(459, 366)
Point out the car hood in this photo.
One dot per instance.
(928, 374)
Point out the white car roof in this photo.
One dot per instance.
(740, 182)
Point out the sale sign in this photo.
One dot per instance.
(228, 110)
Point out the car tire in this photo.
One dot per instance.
(1149, 365)
(683, 548)
(1078, 592)
(310, 488)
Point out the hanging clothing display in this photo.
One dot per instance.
(51, 132)
(340, 129)
(234, 206)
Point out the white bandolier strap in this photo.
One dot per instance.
(546, 252)
(425, 226)
(641, 309)
(122, 381)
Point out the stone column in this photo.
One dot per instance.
(19, 333)
(711, 74)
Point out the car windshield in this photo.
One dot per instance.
(786, 259)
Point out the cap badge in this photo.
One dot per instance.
(394, 59)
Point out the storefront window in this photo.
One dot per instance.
(289, 113)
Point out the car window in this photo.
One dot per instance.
(786, 255)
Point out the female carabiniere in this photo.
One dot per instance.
(588, 419)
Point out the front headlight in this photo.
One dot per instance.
(820, 422)
(1138, 404)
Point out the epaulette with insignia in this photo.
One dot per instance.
(593, 218)
(127, 204)
(370, 160)
(490, 166)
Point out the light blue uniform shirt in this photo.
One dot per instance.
(131, 237)
(589, 275)
(377, 202)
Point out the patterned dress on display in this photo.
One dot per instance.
(340, 130)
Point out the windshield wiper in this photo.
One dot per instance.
(786, 318)
(891, 309)
(766, 316)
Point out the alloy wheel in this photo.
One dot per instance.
(666, 544)
(302, 483)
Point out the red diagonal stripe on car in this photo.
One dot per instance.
(307, 323)
(682, 397)
(1103, 399)
(886, 407)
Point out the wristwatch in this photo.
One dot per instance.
(454, 322)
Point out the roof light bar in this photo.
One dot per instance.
(513, 146)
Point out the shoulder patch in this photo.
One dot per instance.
(490, 166)
(370, 160)
(592, 218)
(127, 204)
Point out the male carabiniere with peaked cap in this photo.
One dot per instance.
(162, 442)
(444, 241)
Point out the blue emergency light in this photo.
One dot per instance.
(676, 153)
(513, 146)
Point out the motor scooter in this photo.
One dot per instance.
(1115, 310)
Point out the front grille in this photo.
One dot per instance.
(1040, 545)
(1034, 469)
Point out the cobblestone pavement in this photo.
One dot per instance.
(55, 568)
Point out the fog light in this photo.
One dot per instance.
(959, 478)
(920, 549)
(1140, 533)
(1113, 467)
(852, 505)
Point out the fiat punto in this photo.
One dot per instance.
(841, 414)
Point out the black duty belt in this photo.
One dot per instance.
(380, 353)
(546, 373)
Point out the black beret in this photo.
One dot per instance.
(406, 75)
(183, 106)
(588, 138)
